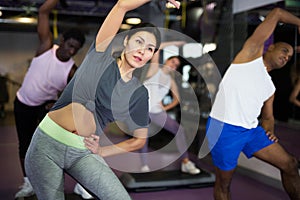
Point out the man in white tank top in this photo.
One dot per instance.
(48, 74)
(245, 93)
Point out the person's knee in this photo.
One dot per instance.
(223, 181)
(290, 165)
(226, 181)
(223, 185)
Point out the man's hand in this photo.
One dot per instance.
(271, 136)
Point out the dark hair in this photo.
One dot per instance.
(148, 27)
(75, 34)
(178, 57)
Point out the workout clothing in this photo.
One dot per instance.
(226, 141)
(105, 93)
(241, 94)
(53, 151)
(233, 127)
(46, 77)
(27, 118)
(163, 120)
(98, 86)
(158, 87)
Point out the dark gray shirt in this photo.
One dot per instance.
(98, 86)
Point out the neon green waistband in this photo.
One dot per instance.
(58, 133)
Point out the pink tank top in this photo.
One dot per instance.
(45, 78)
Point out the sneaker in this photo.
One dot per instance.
(145, 169)
(190, 168)
(78, 189)
(26, 189)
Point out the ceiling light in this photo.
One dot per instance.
(125, 26)
(133, 20)
(209, 47)
(262, 18)
(26, 20)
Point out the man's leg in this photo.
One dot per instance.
(26, 119)
(222, 184)
(275, 155)
(226, 143)
(26, 122)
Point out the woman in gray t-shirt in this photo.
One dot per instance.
(103, 90)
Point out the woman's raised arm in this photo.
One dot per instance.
(114, 19)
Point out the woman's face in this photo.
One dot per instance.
(172, 64)
(139, 48)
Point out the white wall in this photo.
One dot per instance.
(244, 5)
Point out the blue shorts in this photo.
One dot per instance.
(227, 141)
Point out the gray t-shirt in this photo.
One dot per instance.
(98, 86)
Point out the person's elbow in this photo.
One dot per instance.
(137, 144)
(121, 4)
(277, 12)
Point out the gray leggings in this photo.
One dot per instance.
(47, 160)
(163, 120)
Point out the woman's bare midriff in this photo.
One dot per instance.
(74, 118)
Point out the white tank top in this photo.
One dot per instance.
(45, 78)
(242, 92)
(158, 87)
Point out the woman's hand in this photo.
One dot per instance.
(92, 143)
(175, 3)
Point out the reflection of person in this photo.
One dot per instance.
(295, 96)
(4, 97)
(159, 82)
(48, 74)
(103, 90)
(245, 92)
